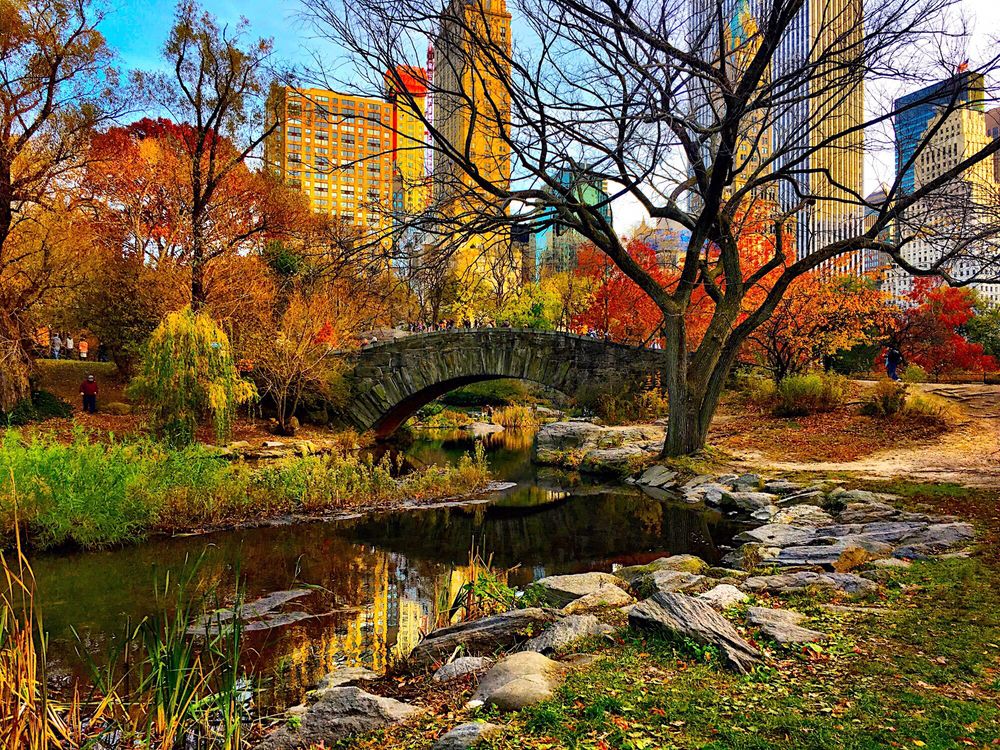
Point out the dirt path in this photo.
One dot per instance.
(969, 455)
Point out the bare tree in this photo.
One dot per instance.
(216, 90)
(56, 86)
(711, 113)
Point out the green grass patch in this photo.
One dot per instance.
(94, 494)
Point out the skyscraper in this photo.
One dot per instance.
(472, 116)
(557, 245)
(817, 138)
(915, 111)
(406, 91)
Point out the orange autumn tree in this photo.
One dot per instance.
(819, 315)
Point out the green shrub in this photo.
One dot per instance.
(914, 374)
(41, 406)
(800, 395)
(619, 402)
(490, 393)
(930, 408)
(757, 388)
(886, 399)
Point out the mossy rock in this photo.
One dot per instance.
(681, 563)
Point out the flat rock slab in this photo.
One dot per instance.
(803, 515)
(747, 501)
(338, 713)
(804, 580)
(605, 597)
(520, 680)
(560, 637)
(344, 676)
(561, 590)
(460, 667)
(723, 596)
(483, 637)
(936, 539)
(683, 563)
(670, 581)
(778, 535)
(690, 617)
(465, 736)
(782, 626)
(657, 476)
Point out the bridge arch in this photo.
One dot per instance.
(389, 381)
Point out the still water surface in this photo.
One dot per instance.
(374, 585)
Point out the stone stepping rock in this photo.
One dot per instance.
(520, 680)
(803, 580)
(460, 667)
(777, 535)
(657, 476)
(566, 632)
(605, 597)
(561, 590)
(465, 736)
(690, 617)
(782, 625)
(483, 637)
(723, 596)
(337, 713)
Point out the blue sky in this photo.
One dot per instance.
(138, 28)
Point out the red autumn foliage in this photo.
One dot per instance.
(930, 330)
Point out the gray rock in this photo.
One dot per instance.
(782, 625)
(683, 563)
(748, 556)
(765, 514)
(670, 581)
(867, 512)
(561, 590)
(520, 680)
(891, 562)
(690, 617)
(709, 492)
(460, 667)
(807, 497)
(614, 460)
(783, 486)
(559, 637)
(560, 436)
(723, 596)
(482, 429)
(747, 483)
(344, 676)
(657, 476)
(603, 598)
(747, 501)
(465, 736)
(777, 535)
(837, 554)
(936, 539)
(854, 496)
(803, 515)
(336, 714)
(483, 637)
(804, 580)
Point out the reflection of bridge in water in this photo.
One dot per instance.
(389, 381)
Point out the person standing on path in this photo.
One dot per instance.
(88, 390)
(893, 359)
(56, 345)
(69, 345)
(84, 348)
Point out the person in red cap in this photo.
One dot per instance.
(88, 389)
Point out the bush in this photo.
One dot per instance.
(514, 417)
(618, 402)
(758, 389)
(930, 408)
(887, 399)
(801, 395)
(914, 374)
(41, 406)
(490, 393)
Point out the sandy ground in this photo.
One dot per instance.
(969, 455)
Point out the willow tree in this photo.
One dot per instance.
(188, 373)
(700, 112)
(56, 86)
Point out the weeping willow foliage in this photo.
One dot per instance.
(188, 373)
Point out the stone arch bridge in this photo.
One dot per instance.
(389, 381)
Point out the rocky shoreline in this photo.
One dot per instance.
(813, 540)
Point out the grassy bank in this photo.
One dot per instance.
(99, 494)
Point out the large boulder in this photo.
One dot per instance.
(558, 638)
(777, 535)
(782, 625)
(605, 597)
(806, 580)
(563, 436)
(802, 515)
(747, 502)
(460, 667)
(936, 539)
(520, 680)
(723, 596)
(336, 713)
(670, 581)
(682, 563)
(465, 736)
(483, 637)
(618, 461)
(689, 617)
(561, 590)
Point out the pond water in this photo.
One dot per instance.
(373, 585)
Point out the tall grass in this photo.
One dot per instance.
(100, 494)
(800, 395)
(514, 417)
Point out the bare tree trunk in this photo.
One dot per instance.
(198, 291)
(15, 365)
